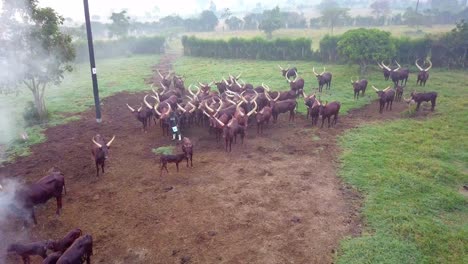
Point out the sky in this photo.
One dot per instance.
(74, 8)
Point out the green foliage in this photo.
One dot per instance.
(166, 150)
(329, 48)
(271, 21)
(451, 50)
(332, 16)
(411, 171)
(256, 48)
(124, 46)
(208, 20)
(234, 23)
(364, 46)
(30, 115)
(120, 24)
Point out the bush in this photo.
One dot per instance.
(30, 114)
(120, 47)
(255, 48)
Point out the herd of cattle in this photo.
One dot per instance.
(226, 112)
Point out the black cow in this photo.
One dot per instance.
(323, 78)
(423, 74)
(386, 97)
(288, 72)
(359, 86)
(100, 151)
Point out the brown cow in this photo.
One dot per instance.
(81, 249)
(41, 191)
(100, 151)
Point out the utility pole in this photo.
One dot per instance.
(92, 62)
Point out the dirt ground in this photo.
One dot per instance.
(275, 199)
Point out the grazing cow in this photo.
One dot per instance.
(278, 107)
(423, 97)
(41, 191)
(263, 117)
(359, 86)
(100, 152)
(80, 250)
(30, 249)
(187, 148)
(52, 258)
(328, 110)
(297, 85)
(399, 92)
(386, 97)
(288, 72)
(63, 244)
(171, 159)
(323, 78)
(142, 115)
(423, 74)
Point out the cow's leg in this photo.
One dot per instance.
(102, 166)
(97, 169)
(59, 205)
(26, 259)
(177, 166)
(323, 120)
(433, 104)
(328, 119)
(191, 162)
(417, 106)
(33, 216)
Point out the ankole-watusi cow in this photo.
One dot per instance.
(385, 70)
(41, 191)
(63, 244)
(399, 92)
(288, 72)
(359, 86)
(297, 85)
(398, 74)
(230, 132)
(313, 108)
(187, 148)
(100, 151)
(386, 97)
(323, 78)
(142, 114)
(81, 250)
(278, 107)
(280, 95)
(418, 98)
(423, 74)
(165, 80)
(263, 118)
(328, 110)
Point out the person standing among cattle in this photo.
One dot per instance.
(174, 123)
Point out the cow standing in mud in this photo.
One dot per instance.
(323, 78)
(423, 97)
(187, 148)
(100, 151)
(386, 97)
(328, 110)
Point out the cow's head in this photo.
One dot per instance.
(387, 68)
(309, 100)
(135, 112)
(380, 93)
(100, 143)
(421, 69)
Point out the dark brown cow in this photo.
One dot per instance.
(313, 108)
(399, 92)
(288, 72)
(280, 95)
(171, 159)
(30, 249)
(165, 80)
(386, 97)
(41, 191)
(328, 110)
(63, 244)
(278, 107)
(230, 132)
(187, 148)
(141, 114)
(263, 117)
(423, 97)
(80, 250)
(100, 151)
(359, 86)
(386, 71)
(398, 74)
(323, 78)
(423, 74)
(297, 85)
(52, 258)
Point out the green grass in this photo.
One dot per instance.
(73, 95)
(411, 172)
(166, 150)
(317, 34)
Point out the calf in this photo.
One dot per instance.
(100, 151)
(187, 148)
(64, 243)
(80, 250)
(172, 159)
(30, 249)
(52, 258)
(359, 86)
(263, 117)
(399, 92)
(418, 98)
(41, 191)
(386, 97)
(328, 110)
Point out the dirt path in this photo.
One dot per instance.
(276, 199)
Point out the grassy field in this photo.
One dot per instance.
(411, 172)
(317, 34)
(73, 95)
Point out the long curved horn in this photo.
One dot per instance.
(230, 101)
(156, 105)
(131, 109)
(380, 66)
(386, 89)
(417, 65)
(297, 76)
(209, 108)
(243, 98)
(375, 88)
(97, 144)
(198, 90)
(276, 99)
(168, 110)
(219, 121)
(253, 110)
(238, 76)
(281, 68)
(430, 65)
(201, 84)
(313, 69)
(193, 107)
(323, 71)
(211, 83)
(385, 66)
(164, 87)
(162, 77)
(181, 108)
(204, 112)
(255, 97)
(399, 66)
(225, 82)
(352, 82)
(304, 95)
(139, 109)
(220, 106)
(237, 109)
(110, 141)
(190, 91)
(154, 91)
(266, 87)
(190, 98)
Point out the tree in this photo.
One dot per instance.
(445, 5)
(208, 20)
(34, 49)
(333, 16)
(365, 46)
(271, 21)
(252, 20)
(381, 8)
(234, 23)
(120, 24)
